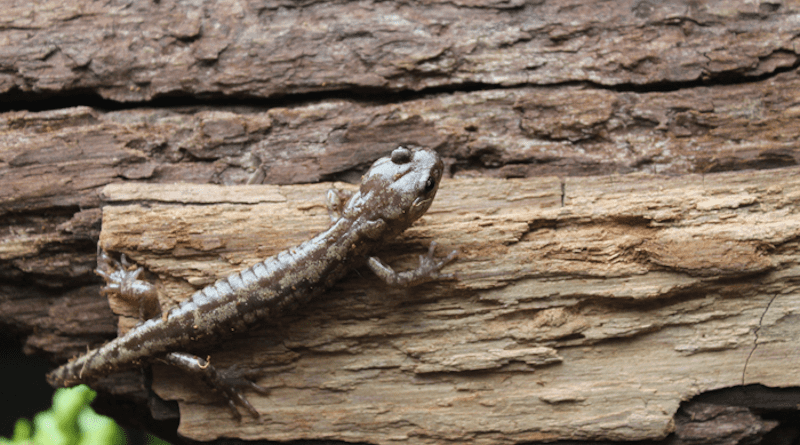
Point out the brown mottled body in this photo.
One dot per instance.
(394, 193)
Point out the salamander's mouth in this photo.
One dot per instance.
(421, 204)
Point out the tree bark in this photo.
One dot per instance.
(621, 183)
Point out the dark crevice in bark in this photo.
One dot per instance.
(16, 100)
(753, 396)
(711, 80)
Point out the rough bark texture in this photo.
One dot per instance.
(593, 297)
(638, 293)
(137, 51)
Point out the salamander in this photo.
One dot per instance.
(394, 193)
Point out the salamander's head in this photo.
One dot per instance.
(400, 188)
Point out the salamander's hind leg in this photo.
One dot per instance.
(228, 382)
(428, 269)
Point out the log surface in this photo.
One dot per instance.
(635, 295)
(138, 51)
(519, 98)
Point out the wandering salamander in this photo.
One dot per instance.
(394, 193)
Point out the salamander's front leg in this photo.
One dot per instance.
(428, 269)
(228, 382)
(335, 200)
(125, 284)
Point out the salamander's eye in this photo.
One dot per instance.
(401, 155)
(430, 184)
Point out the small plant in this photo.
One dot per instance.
(70, 421)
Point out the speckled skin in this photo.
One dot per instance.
(394, 193)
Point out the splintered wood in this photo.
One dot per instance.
(586, 316)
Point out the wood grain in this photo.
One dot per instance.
(137, 52)
(587, 321)
(519, 98)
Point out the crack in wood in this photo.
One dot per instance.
(755, 334)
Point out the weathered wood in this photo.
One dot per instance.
(507, 133)
(139, 51)
(502, 89)
(587, 321)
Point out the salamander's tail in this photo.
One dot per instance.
(82, 369)
(69, 374)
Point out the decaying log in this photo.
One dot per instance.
(519, 132)
(574, 303)
(586, 309)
